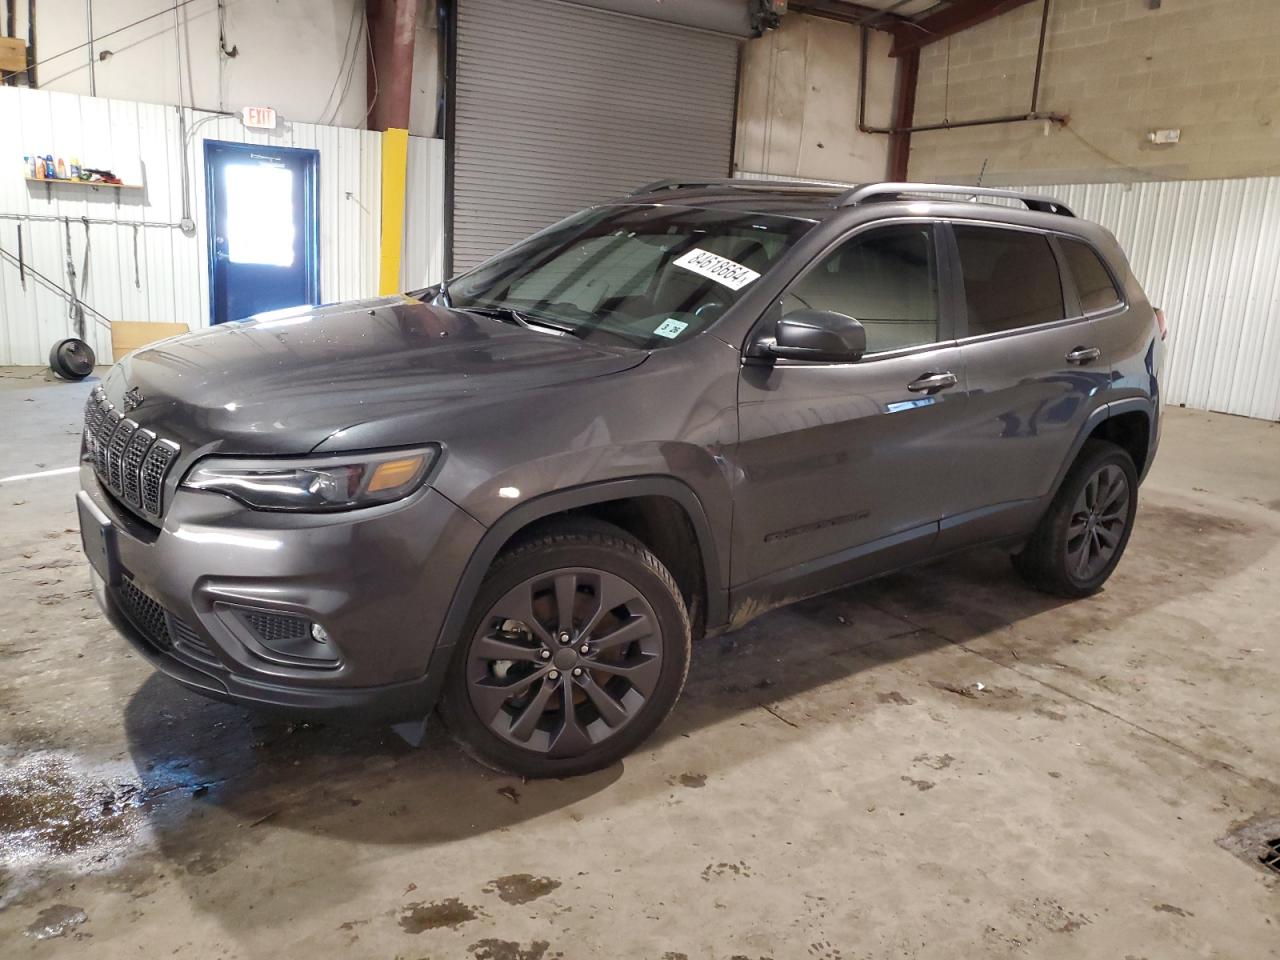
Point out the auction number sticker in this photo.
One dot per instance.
(670, 328)
(715, 267)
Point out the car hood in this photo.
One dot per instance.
(284, 383)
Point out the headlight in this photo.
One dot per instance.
(335, 482)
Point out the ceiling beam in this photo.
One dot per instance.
(959, 16)
(854, 13)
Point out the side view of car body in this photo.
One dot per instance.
(521, 494)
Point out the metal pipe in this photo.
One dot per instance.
(1035, 85)
(49, 218)
(1057, 118)
(93, 78)
(983, 122)
(392, 31)
(31, 44)
(10, 30)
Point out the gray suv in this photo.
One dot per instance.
(522, 494)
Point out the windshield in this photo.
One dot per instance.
(648, 276)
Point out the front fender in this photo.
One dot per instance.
(518, 517)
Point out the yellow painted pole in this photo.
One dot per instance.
(395, 164)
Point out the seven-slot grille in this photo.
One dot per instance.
(131, 462)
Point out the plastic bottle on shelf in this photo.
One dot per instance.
(62, 169)
(50, 171)
(37, 162)
(75, 168)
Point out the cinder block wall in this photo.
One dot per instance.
(1119, 69)
(798, 102)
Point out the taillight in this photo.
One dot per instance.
(1162, 324)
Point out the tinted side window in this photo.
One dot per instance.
(886, 279)
(1010, 279)
(1093, 283)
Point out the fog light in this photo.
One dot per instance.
(319, 634)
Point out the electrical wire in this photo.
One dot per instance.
(109, 33)
(373, 66)
(349, 50)
(1145, 174)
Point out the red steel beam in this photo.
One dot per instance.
(948, 21)
(904, 111)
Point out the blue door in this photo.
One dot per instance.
(263, 228)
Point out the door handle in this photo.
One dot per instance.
(933, 382)
(1083, 355)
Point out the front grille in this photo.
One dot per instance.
(131, 462)
(161, 628)
(275, 627)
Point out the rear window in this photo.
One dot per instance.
(1010, 279)
(1093, 282)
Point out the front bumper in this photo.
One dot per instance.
(378, 581)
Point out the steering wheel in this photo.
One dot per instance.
(709, 305)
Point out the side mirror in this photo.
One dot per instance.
(818, 335)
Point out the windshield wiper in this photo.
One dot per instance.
(508, 315)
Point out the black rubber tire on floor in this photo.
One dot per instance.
(72, 359)
(1043, 560)
(582, 542)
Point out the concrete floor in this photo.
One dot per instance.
(941, 764)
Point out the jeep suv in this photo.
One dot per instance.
(520, 495)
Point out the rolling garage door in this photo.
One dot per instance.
(558, 106)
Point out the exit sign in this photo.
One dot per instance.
(264, 117)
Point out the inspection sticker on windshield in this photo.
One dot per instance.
(720, 269)
(670, 328)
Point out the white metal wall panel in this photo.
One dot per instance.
(167, 280)
(1208, 252)
(422, 262)
(559, 106)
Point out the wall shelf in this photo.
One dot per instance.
(85, 183)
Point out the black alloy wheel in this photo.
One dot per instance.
(565, 660)
(1098, 519)
(578, 647)
(1083, 534)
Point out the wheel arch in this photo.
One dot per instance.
(594, 499)
(1129, 423)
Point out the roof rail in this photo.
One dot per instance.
(893, 191)
(741, 183)
(673, 184)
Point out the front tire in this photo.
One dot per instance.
(577, 648)
(1082, 536)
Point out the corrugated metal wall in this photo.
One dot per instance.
(1208, 252)
(167, 279)
(422, 262)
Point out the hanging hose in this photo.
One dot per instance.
(71, 358)
(53, 285)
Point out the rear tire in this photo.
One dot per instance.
(1083, 534)
(577, 648)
